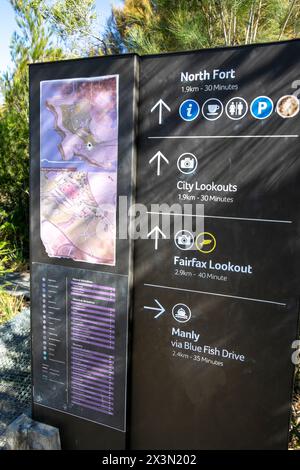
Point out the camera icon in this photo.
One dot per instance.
(187, 163)
(184, 240)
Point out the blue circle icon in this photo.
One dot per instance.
(261, 107)
(189, 110)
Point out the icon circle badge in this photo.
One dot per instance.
(236, 108)
(189, 110)
(212, 109)
(206, 242)
(181, 313)
(184, 240)
(287, 106)
(187, 163)
(261, 107)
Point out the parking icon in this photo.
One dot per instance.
(189, 110)
(261, 107)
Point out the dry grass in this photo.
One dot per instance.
(295, 423)
(10, 305)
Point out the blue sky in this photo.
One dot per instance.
(8, 25)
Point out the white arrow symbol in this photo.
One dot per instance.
(156, 231)
(159, 157)
(160, 105)
(160, 310)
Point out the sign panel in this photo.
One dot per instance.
(216, 302)
(82, 160)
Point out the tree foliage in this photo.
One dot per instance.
(31, 43)
(76, 24)
(147, 26)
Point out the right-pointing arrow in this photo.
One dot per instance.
(156, 231)
(160, 309)
(159, 156)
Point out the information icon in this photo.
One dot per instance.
(181, 313)
(212, 109)
(189, 110)
(236, 108)
(206, 242)
(261, 107)
(187, 163)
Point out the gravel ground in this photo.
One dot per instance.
(15, 373)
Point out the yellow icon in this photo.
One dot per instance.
(205, 242)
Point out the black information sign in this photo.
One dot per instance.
(82, 160)
(216, 302)
(209, 343)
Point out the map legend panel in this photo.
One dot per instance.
(92, 380)
(80, 365)
(92, 326)
(92, 322)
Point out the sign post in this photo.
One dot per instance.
(216, 271)
(216, 303)
(82, 160)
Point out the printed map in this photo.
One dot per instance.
(79, 155)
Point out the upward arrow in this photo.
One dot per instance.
(159, 156)
(160, 104)
(156, 231)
